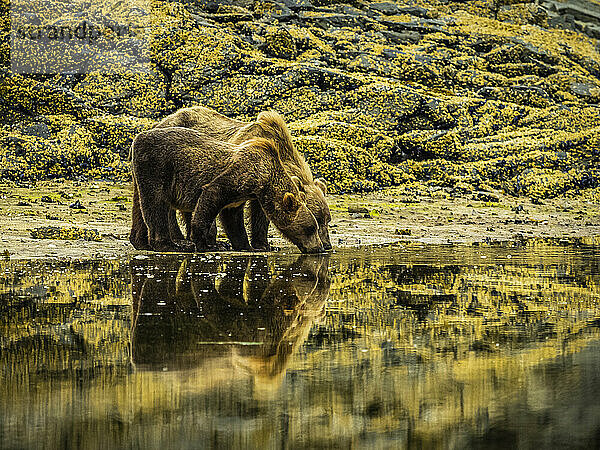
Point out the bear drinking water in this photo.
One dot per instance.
(180, 168)
(269, 125)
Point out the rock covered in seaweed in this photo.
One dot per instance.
(480, 94)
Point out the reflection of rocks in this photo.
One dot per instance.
(518, 346)
(238, 314)
(55, 318)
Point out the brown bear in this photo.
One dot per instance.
(181, 168)
(269, 125)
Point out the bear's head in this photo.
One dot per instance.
(297, 223)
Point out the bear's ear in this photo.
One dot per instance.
(290, 202)
(320, 182)
(298, 182)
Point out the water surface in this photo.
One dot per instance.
(404, 347)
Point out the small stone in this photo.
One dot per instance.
(76, 205)
(37, 129)
(358, 210)
(583, 89)
(483, 196)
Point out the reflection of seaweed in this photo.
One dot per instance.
(186, 313)
(469, 372)
(404, 274)
(421, 303)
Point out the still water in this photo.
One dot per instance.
(404, 347)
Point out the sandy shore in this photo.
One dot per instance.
(101, 211)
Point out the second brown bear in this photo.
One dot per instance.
(268, 125)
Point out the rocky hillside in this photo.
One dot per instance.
(465, 94)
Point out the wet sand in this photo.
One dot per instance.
(101, 211)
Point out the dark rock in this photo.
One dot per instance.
(402, 37)
(584, 89)
(586, 13)
(392, 53)
(519, 51)
(328, 20)
(422, 26)
(387, 8)
(368, 63)
(416, 11)
(279, 12)
(322, 78)
(298, 5)
(483, 196)
(76, 205)
(38, 129)
(231, 17)
(350, 10)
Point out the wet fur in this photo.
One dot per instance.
(182, 169)
(269, 125)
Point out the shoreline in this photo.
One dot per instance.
(101, 211)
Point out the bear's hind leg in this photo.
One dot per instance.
(156, 215)
(139, 232)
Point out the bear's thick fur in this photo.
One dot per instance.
(269, 125)
(183, 169)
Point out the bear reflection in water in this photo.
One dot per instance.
(246, 314)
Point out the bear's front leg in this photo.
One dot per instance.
(232, 219)
(212, 237)
(212, 200)
(259, 227)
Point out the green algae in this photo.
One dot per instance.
(66, 233)
(475, 96)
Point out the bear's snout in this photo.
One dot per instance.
(313, 250)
